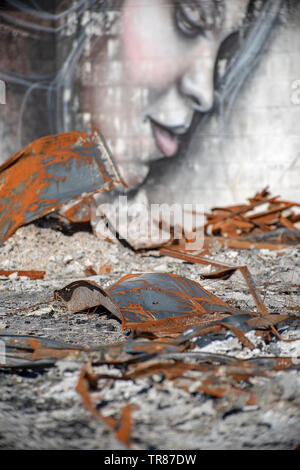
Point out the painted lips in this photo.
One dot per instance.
(166, 141)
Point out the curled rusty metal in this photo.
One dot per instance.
(51, 171)
(224, 272)
(145, 297)
(160, 305)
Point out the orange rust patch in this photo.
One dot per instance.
(30, 274)
(105, 269)
(126, 423)
(28, 174)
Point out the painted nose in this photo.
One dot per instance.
(197, 84)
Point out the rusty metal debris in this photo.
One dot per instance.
(174, 366)
(166, 314)
(105, 269)
(50, 172)
(224, 271)
(213, 375)
(122, 427)
(145, 297)
(63, 172)
(31, 274)
(32, 351)
(164, 305)
(89, 271)
(266, 222)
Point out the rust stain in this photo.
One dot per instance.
(105, 269)
(89, 271)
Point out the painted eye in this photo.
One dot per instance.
(195, 18)
(189, 19)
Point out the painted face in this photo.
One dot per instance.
(150, 77)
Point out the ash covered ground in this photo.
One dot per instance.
(40, 409)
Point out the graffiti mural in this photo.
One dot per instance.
(194, 97)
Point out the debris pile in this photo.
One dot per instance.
(266, 222)
(166, 315)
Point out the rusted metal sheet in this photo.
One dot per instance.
(238, 325)
(83, 295)
(174, 326)
(156, 296)
(49, 172)
(31, 343)
(29, 351)
(145, 297)
(163, 305)
(225, 271)
(34, 351)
